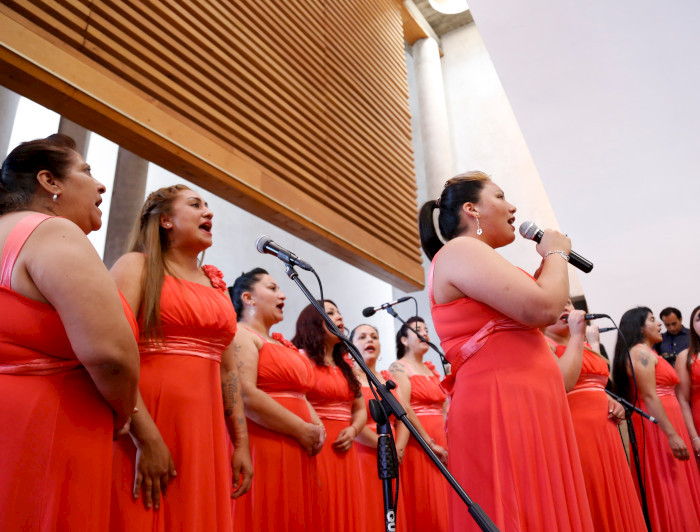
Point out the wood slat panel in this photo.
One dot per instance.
(294, 109)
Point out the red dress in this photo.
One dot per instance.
(371, 483)
(56, 436)
(424, 489)
(283, 493)
(695, 393)
(339, 499)
(606, 472)
(181, 386)
(672, 486)
(511, 440)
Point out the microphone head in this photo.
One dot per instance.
(261, 242)
(528, 230)
(369, 311)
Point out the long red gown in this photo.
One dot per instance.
(339, 499)
(56, 436)
(511, 440)
(425, 490)
(695, 392)
(672, 486)
(283, 494)
(181, 386)
(371, 484)
(609, 485)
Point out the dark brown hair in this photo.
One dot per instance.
(310, 336)
(403, 333)
(629, 334)
(18, 182)
(694, 345)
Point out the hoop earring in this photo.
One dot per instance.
(478, 225)
(55, 198)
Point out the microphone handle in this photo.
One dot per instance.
(579, 262)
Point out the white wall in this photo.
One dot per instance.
(606, 94)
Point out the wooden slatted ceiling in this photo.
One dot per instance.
(312, 92)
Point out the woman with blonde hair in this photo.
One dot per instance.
(69, 361)
(178, 437)
(511, 440)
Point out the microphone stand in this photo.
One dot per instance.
(443, 360)
(391, 406)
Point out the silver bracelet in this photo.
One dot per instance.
(562, 253)
(696, 438)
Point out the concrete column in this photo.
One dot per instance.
(80, 135)
(8, 110)
(127, 199)
(435, 128)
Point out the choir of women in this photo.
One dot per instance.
(671, 480)
(199, 395)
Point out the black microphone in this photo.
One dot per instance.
(264, 244)
(589, 317)
(606, 329)
(530, 231)
(370, 311)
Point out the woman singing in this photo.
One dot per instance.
(337, 399)
(688, 389)
(284, 430)
(511, 440)
(187, 322)
(671, 481)
(69, 364)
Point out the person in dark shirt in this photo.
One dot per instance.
(676, 337)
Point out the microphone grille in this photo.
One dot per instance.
(261, 242)
(367, 312)
(528, 230)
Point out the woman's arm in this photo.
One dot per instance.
(644, 364)
(234, 415)
(570, 362)
(66, 270)
(358, 420)
(683, 393)
(263, 409)
(467, 266)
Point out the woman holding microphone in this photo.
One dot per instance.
(511, 441)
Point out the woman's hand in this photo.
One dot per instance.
(154, 469)
(400, 452)
(439, 450)
(312, 437)
(345, 439)
(680, 451)
(242, 470)
(616, 412)
(577, 323)
(696, 448)
(553, 241)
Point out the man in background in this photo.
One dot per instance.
(676, 337)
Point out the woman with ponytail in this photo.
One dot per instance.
(187, 323)
(511, 441)
(688, 390)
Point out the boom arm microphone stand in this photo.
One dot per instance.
(443, 360)
(391, 406)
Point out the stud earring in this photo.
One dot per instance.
(478, 225)
(55, 198)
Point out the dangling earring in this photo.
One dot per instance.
(55, 198)
(478, 225)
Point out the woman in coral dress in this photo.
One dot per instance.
(611, 493)
(425, 490)
(68, 354)
(337, 399)
(177, 457)
(284, 431)
(688, 389)
(671, 480)
(511, 441)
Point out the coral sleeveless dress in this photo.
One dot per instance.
(282, 496)
(695, 392)
(181, 386)
(511, 440)
(56, 436)
(609, 484)
(672, 486)
(425, 490)
(339, 499)
(371, 483)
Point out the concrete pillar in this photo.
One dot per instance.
(80, 135)
(435, 128)
(127, 199)
(8, 110)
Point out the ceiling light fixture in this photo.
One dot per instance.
(449, 7)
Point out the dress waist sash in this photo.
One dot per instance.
(427, 410)
(665, 390)
(587, 383)
(289, 395)
(185, 346)
(338, 411)
(39, 366)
